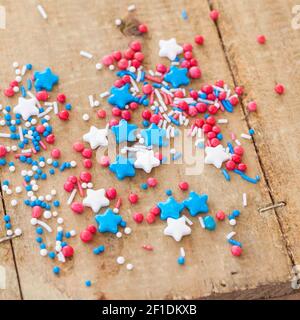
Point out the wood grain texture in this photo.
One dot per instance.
(9, 288)
(210, 270)
(259, 68)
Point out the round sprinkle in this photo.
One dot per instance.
(119, 234)
(18, 232)
(85, 117)
(127, 230)
(129, 266)
(120, 260)
(99, 66)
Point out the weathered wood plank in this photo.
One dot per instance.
(259, 68)
(9, 287)
(210, 268)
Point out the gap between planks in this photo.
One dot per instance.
(12, 246)
(260, 161)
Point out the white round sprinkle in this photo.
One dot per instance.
(14, 202)
(90, 185)
(18, 78)
(41, 198)
(15, 64)
(141, 140)
(73, 164)
(5, 187)
(84, 185)
(116, 210)
(172, 151)
(232, 222)
(9, 191)
(99, 66)
(16, 89)
(43, 252)
(35, 187)
(111, 67)
(42, 164)
(33, 121)
(34, 221)
(85, 117)
(48, 197)
(127, 230)
(18, 189)
(8, 149)
(55, 213)
(17, 72)
(47, 214)
(49, 161)
(60, 229)
(129, 266)
(96, 103)
(132, 69)
(33, 198)
(119, 234)
(30, 174)
(60, 220)
(118, 22)
(9, 233)
(12, 168)
(18, 232)
(53, 192)
(73, 233)
(120, 260)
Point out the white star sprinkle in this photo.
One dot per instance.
(177, 228)
(169, 49)
(216, 156)
(146, 160)
(95, 199)
(96, 137)
(26, 108)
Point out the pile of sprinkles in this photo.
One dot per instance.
(27, 137)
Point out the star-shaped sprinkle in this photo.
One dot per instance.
(124, 131)
(216, 156)
(177, 228)
(120, 97)
(169, 49)
(95, 199)
(96, 137)
(154, 136)
(196, 203)
(26, 108)
(108, 221)
(122, 168)
(45, 80)
(177, 77)
(146, 160)
(170, 208)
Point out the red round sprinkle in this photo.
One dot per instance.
(150, 218)
(279, 88)
(261, 39)
(42, 95)
(85, 176)
(119, 82)
(116, 111)
(220, 215)
(77, 207)
(201, 107)
(87, 153)
(36, 212)
(143, 28)
(187, 47)
(234, 101)
(113, 122)
(86, 236)
(236, 251)
(63, 115)
(40, 128)
(101, 114)
(50, 139)
(214, 15)
(123, 64)
(91, 228)
(236, 158)
(252, 106)
(138, 217)
(67, 251)
(69, 186)
(128, 54)
(214, 142)
(230, 165)
(133, 198)
(72, 179)
(242, 166)
(108, 60)
(199, 39)
(55, 153)
(14, 83)
(9, 92)
(183, 185)
(61, 98)
(104, 161)
(192, 111)
(239, 90)
(133, 105)
(136, 63)
(155, 210)
(147, 88)
(117, 55)
(87, 163)
(136, 45)
(195, 72)
(78, 146)
(3, 151)
(239, 150)
(146, 114)
(152, 182)
(188, 55)
(126, 114)
(139, 56)
(111, 193)
(161, 68)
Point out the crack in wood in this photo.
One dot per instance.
(230, 67)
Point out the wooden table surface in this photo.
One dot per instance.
(270, 239)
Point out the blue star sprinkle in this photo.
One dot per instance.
(45, 80)
(170, 208)
(124, 131)
(154, 136)
(196, 203)
(177, 77)
(108, 221)
(122, 168)
(120, 97)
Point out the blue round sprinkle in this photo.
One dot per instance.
(168, 192)
(181, 260)
(144, 186)
(88, 283)
(236, 213)
(56, 270)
